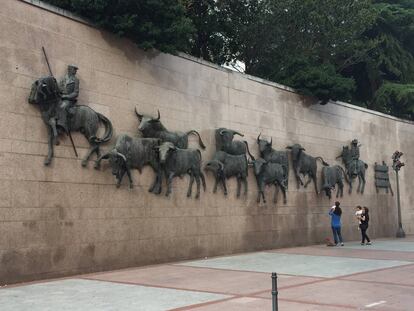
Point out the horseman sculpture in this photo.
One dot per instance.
(60, 114)
(354, 166)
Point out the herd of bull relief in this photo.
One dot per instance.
(167, 152)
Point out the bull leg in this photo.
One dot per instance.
(259, 193)
(215, 184)
(284, 193)
(363, 183)
(128, 171)
(340, 189)
(155, 183)
(203, 180)
(169, 182)
(197, 178)
(158, 182)
(276, 193)
(350, 185)
(119, 178)
(307, 182)
(298, 179)
(315, 182)
(190, 185)
(91, 150)
(238, 186)
(50, 138)
(223, 182)
(245, 185)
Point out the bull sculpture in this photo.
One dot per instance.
(133, 153)
(153, 128)
(304, 164)
(271, 155)
(224, 142)
(269, 173)
(226, 165)
(331, 176)
(46, 95)
(177, 162)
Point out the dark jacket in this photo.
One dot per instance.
(364, 221)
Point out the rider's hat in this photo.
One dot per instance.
(73, 66)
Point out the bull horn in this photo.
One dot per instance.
(248, 151)
(221, 165)
(258, 137)
(271, 141)
(121, 155)
(237, 133)
(159, 116)
(301, 148)
(222, 132)
(138, 115)
(289, 147)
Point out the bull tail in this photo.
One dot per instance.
(248, 150)
(323, 162)
(109, 130)
(200, 142)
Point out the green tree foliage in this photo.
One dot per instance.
(360, 51)
(159, 24)
(385, 77)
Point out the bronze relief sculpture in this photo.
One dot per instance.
(354, 167)
(304, 164)
(61, 115)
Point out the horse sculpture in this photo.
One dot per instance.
(354, 168)
(45, 94)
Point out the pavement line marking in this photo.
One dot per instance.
(375, 304)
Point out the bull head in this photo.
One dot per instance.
(146, 121)
(231, 132)
(164, 149)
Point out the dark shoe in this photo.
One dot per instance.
(362, 243)
(342, 244)
(368, 243)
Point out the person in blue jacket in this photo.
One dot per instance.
(335, 214)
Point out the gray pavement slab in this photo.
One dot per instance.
(303, 265)
(88, 295)
(393, 245)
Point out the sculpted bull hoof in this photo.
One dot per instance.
(118, 185)
(84, 162)
(47, 161)
(97, 166)
(197, 196)
(131, 186)
(188, 195)
(57, 142)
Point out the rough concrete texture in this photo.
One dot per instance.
(65, 219)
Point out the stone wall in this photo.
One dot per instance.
(65, 219)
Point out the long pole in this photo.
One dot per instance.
(274, 292)
(51, 73)
(400, 231)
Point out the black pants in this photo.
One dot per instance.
(364, 235)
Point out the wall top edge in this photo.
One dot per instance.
(53, 9)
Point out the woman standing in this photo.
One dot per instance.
(335, 214)
(364, 226)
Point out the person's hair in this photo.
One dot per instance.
(359, 207)
(338, 210)
(366, 210)
(337, 203)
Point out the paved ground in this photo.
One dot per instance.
(376, 277)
